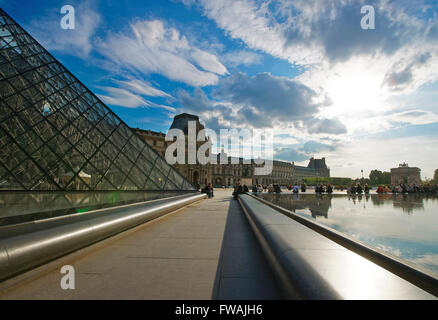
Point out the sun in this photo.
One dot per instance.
(355, 90)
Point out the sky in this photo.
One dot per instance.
(362, 98)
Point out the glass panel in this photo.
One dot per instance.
(12, 162)
(79, 183)
(74, 159)
(31, 116)
(27, 173)
(105, 184)
(45, 130)
(29, 141)
(6, 89)
(91, 176)
(44, 183)
(123, 164)
(21, 65)
(96, 137)
(86, 147)
(17, 102)
(109, 150)
(4, 139)
(58, 120)
(60, 145)
(57, 101)
(144, 165)
(14, 126)
(101, 162)
(7, 70)
(32, 94)
(158, 178)
(137, 177)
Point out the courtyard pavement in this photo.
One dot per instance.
(203, 251)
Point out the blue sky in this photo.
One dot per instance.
(364, 99)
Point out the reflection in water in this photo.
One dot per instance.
(318, 204)
(405, 225)
(18, 207)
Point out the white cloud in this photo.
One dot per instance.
(266, 98)
(358, 70)
(245, 20)
(142, 87)
(122, 98)
(152, 47)
(208, 61)
(329, 126)
(128, 97)
(414, 117)
(76, 42)
(428, 260)
(241, 57)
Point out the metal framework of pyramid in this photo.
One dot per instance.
(55, 134)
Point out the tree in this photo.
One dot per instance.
(375, 177)
(386, 177)
(378, 177)
(435, 176)
(325, 180)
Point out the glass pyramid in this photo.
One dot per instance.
(55, 134)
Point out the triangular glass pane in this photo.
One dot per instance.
(32, 115)
(86, 147)
(12, 149)
(10, 183)
(7, 70)
(106, 184)
(137, 177)
(17, 102)
(6, 89)
(80, 182)
(14, 126)
(45, 183)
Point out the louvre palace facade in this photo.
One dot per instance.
(229, 173)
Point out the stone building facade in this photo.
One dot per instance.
(405, 174)
(197, 174)
(229, 173)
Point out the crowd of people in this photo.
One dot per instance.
(355, 188)
(412, 188)
(239, 189)
(358, 189)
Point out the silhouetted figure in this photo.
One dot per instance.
(329, 189)
(238, 190)
(366, 189)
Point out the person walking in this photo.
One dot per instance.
(210, 190)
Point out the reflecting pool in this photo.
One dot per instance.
(403, 225)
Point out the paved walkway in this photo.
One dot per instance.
(204, 251)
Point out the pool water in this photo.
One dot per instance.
(403, 225)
